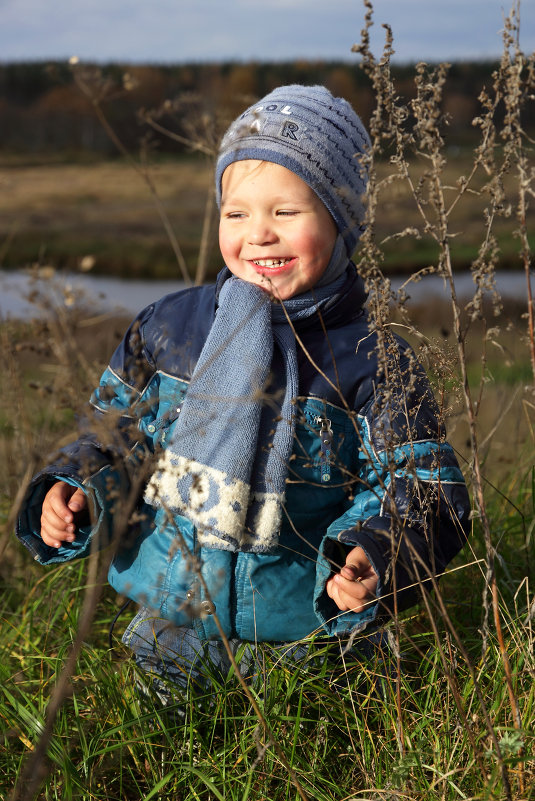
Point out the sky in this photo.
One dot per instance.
(175, 31)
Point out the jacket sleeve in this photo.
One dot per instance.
(105, 459)
(410, 509)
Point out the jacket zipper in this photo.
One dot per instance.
(326, 439)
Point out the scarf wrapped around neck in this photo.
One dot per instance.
(226, 463)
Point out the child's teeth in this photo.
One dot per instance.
(270, 262)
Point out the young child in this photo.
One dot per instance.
(295, 484)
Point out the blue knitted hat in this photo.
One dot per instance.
(315, 135)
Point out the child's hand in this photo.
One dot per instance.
(62, 505)
(355, 585)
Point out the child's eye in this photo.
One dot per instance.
(235, 215)
(287, 213)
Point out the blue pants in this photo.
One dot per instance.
(174, 656)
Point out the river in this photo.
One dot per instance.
(22, 295)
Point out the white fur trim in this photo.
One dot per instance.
(223, 521)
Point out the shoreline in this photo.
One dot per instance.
(24, 295)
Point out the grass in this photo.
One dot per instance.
(343, 732)
(59, 213)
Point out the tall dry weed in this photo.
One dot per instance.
(412, 133)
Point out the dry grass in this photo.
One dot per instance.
(58, 213)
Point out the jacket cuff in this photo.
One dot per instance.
(406, 571)
(28, 524)
(332, 553)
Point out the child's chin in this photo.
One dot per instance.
(277, 292)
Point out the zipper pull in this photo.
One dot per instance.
(326, 438)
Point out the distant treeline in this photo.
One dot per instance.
(44, 110)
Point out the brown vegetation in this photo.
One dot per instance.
(58, 213)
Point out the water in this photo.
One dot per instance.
(23, 295)
(106, 294)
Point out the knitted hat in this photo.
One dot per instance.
(315, 135)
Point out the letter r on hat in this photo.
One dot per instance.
(289, 130)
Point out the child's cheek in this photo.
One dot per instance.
(229, 247)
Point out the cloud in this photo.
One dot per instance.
(182, 30)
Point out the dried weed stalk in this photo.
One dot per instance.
(410, 134)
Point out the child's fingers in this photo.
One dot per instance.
(57, 519)
(353, 593)
(54, 531)
(56, 501)
(65, 501)
(354, 587)
(350, 572)
(55, 528)
(357, 564)
(78, 501)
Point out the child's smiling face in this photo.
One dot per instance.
(274, 230)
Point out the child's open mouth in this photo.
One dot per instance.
(271, 264)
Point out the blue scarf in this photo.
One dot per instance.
(226, 464)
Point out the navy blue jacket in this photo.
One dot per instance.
(388, 481)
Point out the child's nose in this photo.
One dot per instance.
(261, 233)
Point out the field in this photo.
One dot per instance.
(445, 709)
(58, 213)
